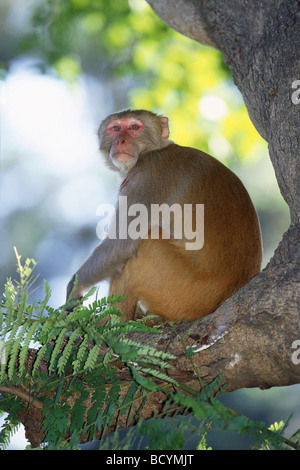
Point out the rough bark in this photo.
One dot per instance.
(260, 42)
(248, 340)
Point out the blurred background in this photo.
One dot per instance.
(63, 67)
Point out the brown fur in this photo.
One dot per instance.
(170, 281)
(179, 284)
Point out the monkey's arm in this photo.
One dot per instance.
(106, 260)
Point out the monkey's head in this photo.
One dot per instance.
(124, 136)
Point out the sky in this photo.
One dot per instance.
(50, 125)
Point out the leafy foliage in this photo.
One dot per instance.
(9, 428)
(75, 378)
(163, 71)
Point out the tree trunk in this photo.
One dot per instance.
(250, 337)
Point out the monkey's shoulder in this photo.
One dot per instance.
(187, 159)
(175, 161)
(194, 155)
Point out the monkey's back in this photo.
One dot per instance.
(232, 252)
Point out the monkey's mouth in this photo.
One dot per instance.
(123, 157)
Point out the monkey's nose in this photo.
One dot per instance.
(120, 141)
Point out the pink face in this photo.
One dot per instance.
(123, 132)
(131, 125)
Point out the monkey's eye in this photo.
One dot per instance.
(134, 127)
(115, 128)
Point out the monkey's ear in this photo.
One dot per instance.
(164, 126)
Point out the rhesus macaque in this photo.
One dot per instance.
(162, 272)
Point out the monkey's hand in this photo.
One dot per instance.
(106, 260)
(74, 294)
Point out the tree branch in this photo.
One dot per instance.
(23, 395)
(182, 16)
(259, 40)
(247, 341)
(249, 338)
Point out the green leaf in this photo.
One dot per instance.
(143, 381)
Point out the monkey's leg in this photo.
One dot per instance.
(120, 286)
(164, 279)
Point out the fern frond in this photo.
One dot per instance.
(40, 355)
(9, 298)
(63, 360)
(14, 349)
(94, 416)
(59, 390)
(146, 350)
(24, 348)
(158, 374)
(44, 302)
(148, 360)
(143, 381)
(9, 343)
(92, 358)
(78, 413)
(21, 308)
(81, 353)
(130, 327)
(6, 433)
(114, 397)
(56, 350)
(129, 398)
